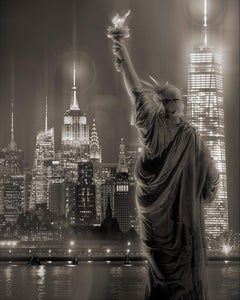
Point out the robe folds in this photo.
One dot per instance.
(175, 176)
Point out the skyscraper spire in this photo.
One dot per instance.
(12, 125)
(12, 143)
(205, 23)
(94, 150)
(122, 163)
(46, 115)
(74, 101)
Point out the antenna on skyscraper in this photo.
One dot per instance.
(205, 23)
(12, 143)
(46, 114)
(46, 72)
(74, 101)
(12, 125)
(46, 89)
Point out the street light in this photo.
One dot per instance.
(69, 251)
(72, 243)
(108, 251)
(129, 243)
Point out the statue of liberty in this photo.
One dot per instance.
(175, 177)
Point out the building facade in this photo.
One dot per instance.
(14, 198)
(85, 195)
(75, 136)
(44, 151)
(121, 208)
(205, 110)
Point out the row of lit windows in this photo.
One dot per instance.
(122, 188)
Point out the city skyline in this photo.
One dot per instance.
(108, 97)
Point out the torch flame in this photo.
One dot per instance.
(118, 21)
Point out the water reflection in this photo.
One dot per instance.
(228, 285)
(223, 280)
(41, 273)
(115, 285)
(8, 279)
(98, 281)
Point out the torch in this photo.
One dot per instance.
(118, 32)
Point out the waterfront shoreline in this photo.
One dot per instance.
(99, 258)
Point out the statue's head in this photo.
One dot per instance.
(168, 97)
(171, 99)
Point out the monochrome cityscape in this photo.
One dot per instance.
(71, 193)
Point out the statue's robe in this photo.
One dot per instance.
(175, 177)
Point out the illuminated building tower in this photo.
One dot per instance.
(14, 198)
(122, 191)
(70, 200)
(94, 149)
(85, 194)
(11, 158)
(75, 136)
(206, 113)
(44, 151)
(11, 162)
(96, 158)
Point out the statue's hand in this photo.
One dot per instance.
(120, 52)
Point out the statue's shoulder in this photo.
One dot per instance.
(187, 126)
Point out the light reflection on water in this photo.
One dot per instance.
(224, 280)
(8, 278)
(100, 281)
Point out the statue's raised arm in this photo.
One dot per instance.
(118, 32)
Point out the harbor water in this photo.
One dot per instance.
(100, 281)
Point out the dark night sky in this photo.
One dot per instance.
(162, 34)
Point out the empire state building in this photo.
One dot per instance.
(75, 136)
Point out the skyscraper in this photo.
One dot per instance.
(122, 191)
(85, 194)
(44, 151)
(11, 158)
(95, 150)
(75, 136)
(107, 194)
(102, 172)
(206, 113)
(14, 197)
(96, 158)
(11, 163)
(56, 187)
